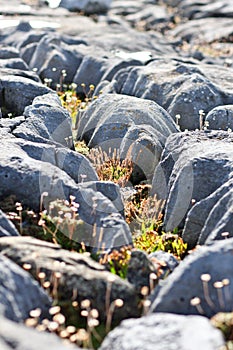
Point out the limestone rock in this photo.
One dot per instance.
(167, 262)
(14, 336)
(189, 159)
(18, 92)
(118, 122)
(87, 6)
(219, 220)
(45, 118)
(139, 270)
(164, 331)
(197, 86)
(220, 118)
(29, 170)
(200, 217)
(19, 292)
(208, 268)
(78, 273)
(144, 145)
(6, 226)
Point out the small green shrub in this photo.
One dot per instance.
(81, 147)
(151, 241)
(110, 167)
(72, 102)
(144, 215)
(117, 261)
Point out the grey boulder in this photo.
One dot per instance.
(14, 336)
(198, 86)
(188, 160)
(81, 277)
(20, 293)
(17, 92)
(143, 144)
(149, 17)
(74, 164)
(137, 127)
(206, 215)
(87, 6)
(8, 52)
(55, 57)
(219, 221)
(140, 269)
(108, 189)
(46, 121)
(164, 331)
(167, 261)
(13, 63)
(6, 226)
(220, 118)
(201, 284)
(29, 170)
(200, 30)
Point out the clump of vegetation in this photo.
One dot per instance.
(151, 241)
(81, 147)
(61, 222)
(57, 225)
(70, 100)
(85, 329)
(68, 93)
(144, 215)
(224, 322)
(110, 167)
(117, 261)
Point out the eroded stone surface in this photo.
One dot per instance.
(164, 331)
(19, 337)
(191, 169)
(81, 277)
(20, 293)
(6, 226)
(210, 263)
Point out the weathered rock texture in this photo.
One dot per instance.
(19, 337)
(192, 167)
(197, 277)
(137, 127)
(80, 277)
(6, 226)
(158, 64)
(164, 331)
(181, 86)
(20, 293)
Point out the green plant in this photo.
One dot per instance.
(144, 215)
(61, 222)
(110, 167)
(57, 225)
(81, 147)
(141, 208)
(151, 241)
(71, 101)
(117, 261)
